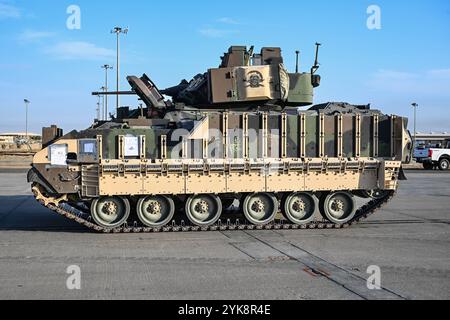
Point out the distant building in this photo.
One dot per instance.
(431, 139)
(14, 138)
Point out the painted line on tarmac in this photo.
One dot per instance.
(420, 219)
(320, 267)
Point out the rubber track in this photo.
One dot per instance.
(84, 219)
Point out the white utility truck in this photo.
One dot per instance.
(437, 157)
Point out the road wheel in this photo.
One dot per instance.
(338, 207)
(428, 166)
(260, 208)
(444, 164)
(203, 210)
(300, 207)
(155, 211)
(110, 212)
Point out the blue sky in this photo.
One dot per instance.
(407, 60)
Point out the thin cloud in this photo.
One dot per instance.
(78, 50)
(33, 36)
(9, 11)
(15, 66)
(228, 20)
(441, 73)
(433, 82)
(212, 31)
(216, 33)
(394, 75)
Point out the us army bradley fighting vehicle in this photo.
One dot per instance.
(233, 135)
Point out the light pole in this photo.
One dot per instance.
(118, 31)
(104, 112)
(105, 97)
(98, 109)
(415, 105)
(27, 102)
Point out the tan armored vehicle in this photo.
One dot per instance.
(230, 150)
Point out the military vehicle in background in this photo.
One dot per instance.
(234, 134)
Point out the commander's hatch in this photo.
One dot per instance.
(147, 91)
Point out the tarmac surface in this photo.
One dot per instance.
(409, 240)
